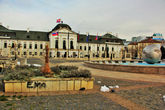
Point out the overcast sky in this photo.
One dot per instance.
(127, 18)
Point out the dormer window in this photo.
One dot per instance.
(27, 36)
(38, 37)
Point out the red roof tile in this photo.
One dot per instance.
(133, 43)
(149, 40)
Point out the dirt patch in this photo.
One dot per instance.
(150, 97)
(112, 82)
(124, 102)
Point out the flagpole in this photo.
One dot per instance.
(78, 43)
(97, 46)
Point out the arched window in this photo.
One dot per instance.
(12, 45)
(56, 45)
(30, 46)
(5, 45)
(84, 47)
(35, 46)
(64, 44)
(24, 46)
(71, 45)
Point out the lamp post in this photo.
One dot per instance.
(88, 51)
(68, 44)
(88, 45)
(15, 48)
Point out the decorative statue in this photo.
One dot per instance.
(152, 53)
(46, 69)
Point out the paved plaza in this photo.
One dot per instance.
(135, 92)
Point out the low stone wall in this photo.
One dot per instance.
(128, 68)
(48, 85)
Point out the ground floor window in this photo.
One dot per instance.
(35, 53)
(41, 53)
(65, 54)
(84, 47)
(30, 53)
(50, 54)
(12, 52)
(58, 54)
(103, 55)
(113, 55)
(0, 69)
(74, 54)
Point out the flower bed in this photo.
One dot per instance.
(31, 79)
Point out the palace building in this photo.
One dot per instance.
(63, 42)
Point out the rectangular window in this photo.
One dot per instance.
(24, 46)
(56, 45)
(24, 53)
(12, 46)
(112, 49)
(97, 48)
(80, 47)
(41, 46)
(102, 48)
(89, 48)
(84, 47)
(35, 46)
(30, 53)
(12, 52)
(41, 53)
(35, 53)
(5, 45)
(18, 53)
(19, 45)
(30, 46)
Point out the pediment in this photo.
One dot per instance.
(64, 30)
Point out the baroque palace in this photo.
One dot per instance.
(63, 42)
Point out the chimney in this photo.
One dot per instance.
(28, 30)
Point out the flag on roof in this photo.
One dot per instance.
(96, 37)
(55, 34)
(87, 38)
(58, 20)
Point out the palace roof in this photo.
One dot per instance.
(44, 36)
(149, 40)
(133, 43)
(61, 25)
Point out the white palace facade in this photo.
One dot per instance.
(67, 44)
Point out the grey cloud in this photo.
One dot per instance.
(126, 17)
